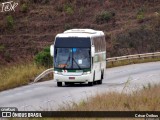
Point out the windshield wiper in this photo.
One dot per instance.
(77, 63)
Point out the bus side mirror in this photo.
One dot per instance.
(52, 50)
(92, 51)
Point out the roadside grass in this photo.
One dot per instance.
(18, 75)
(131, 61)
(147, 99)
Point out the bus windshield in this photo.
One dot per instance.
(72, 58)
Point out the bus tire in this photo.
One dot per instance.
(90, 83)
(99, 81)
(59, 84)
(67, 83)
(102, 77)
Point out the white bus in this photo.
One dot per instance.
(79, 56)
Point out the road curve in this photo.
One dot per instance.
(47, 96)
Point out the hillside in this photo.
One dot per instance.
(130, 27)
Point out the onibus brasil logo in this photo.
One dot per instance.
(9, 6)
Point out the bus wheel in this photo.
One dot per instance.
(99, 81)
(67, 83)
(59, 84)
(90, 83)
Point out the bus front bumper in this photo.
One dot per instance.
(78, 79)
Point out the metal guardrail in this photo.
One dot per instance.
(43, 74)
(136, 56)
(113, 59)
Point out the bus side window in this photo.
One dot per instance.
(98, 44)
(95, 44)
(104, 41)
(101, 48)
(103, 44)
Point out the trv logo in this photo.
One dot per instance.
(9, 6)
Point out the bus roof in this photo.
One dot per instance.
(81, 33)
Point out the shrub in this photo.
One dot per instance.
(104, 16)
(24, 8)
(43, 58)
(67, 26)
(10, 22)
(140, 18)
(2, 48)
(7, 56)
(140, 15)
(68, 9)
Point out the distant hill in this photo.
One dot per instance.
(130, 27)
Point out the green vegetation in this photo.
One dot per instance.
(10, 22)
(68, 9)
(140, 15)
(24, 8)
(104, 16)
(44, 58)
(7, 56)
(22, 74)
(67, 26)
(18, 75)
(2, 48)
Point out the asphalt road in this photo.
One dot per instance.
(47, 96)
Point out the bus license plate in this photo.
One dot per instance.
(71, 78)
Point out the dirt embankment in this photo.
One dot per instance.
(130, 27)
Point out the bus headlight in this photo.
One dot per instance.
(85, 73)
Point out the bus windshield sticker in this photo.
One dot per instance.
(62, 65)
(74, 49)
(79, 61)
